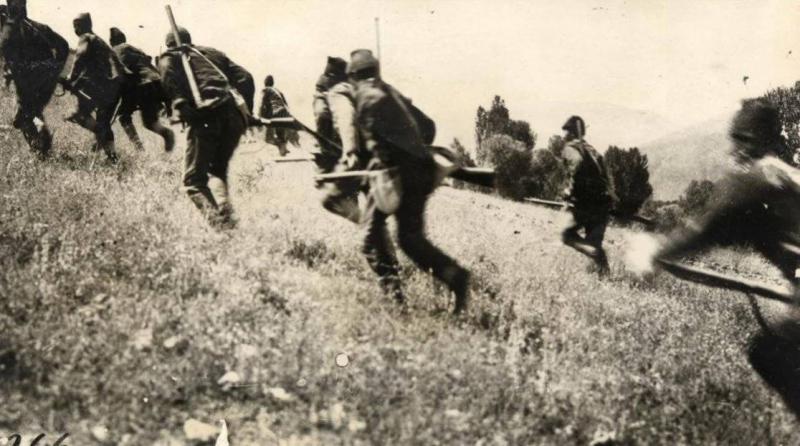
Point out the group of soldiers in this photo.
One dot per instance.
(365, 124)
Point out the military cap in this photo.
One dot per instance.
(183, 33)
(116, 37)
(362, 60)
(269, 81)
(17, 8)
(335, 66)
(84, 19)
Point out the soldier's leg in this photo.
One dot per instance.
(379, 251)
(103, 133)
(595, 233)
(231, 131)
(150, 105)
(126, 121)
(24, 121)
(201, 143)
(280, 141)
(412, 240)
(777, 361)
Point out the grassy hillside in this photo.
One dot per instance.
(121, 311)
(696, 153)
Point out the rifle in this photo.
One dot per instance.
(718, 280)
(560, 205)
(474, 175)
(187, 67)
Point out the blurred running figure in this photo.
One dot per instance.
(759, 206)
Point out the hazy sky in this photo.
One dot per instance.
(680, 60)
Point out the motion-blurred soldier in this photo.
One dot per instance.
(96, 79)
(274, 105)
(335, 112)
(34, 59)
(758, 206)
(142, 92)
(396, 134)
(214, 129)
(334, 74)
(591, 194)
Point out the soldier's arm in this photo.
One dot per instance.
(78, 65)
(58, 44)
(343, 113)
(174, 81)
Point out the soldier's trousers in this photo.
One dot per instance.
(593, 223)
(147, 99)
(100, 124)
(418, 184)
(212, 139)
(32, 98)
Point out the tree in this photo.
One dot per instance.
(549, 175)
(697, 194)
(787, 100)
(512, 163)
(629, 171)
(497, 121)
(461, 151)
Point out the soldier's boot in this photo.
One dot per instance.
(457, 280)
(108, 147)
(225, 218)
(38, 137)
(601, 260)
(205, 203)
(133, 135)
(282, 149)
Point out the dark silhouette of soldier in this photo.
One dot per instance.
(34, 60)
(215, 127)
(96, 78)
(274, 105)
(396, 135)
(334, 74)
(758, 205)
(591, 194)
(142, 92)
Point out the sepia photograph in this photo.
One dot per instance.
(399, 222)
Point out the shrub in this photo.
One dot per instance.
(631, 176)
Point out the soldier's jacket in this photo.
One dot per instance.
(393, 129)
(759, 205)
(138, 63)
(97, 70)
(34, 56)
(273, 103)
(212, 84)
(591, 185)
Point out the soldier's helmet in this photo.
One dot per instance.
(116, 37)
(84, 20)
(183, 33)
(576, 125)
(17, 9)
(362, 61)
(755, 129)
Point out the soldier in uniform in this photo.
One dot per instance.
(591, 194)
(34, 59)
(396, 135)
(335, 112)
(757, 205)
(274, 105)
(96, 79)
(142, 92)
(215, 128)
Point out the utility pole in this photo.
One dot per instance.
(378, 36)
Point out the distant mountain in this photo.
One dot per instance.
(698, 152)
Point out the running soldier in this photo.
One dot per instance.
(274, 105)
(96, 79)
(34, 60)
(214, 129)
(396, 134)
(142, 92)
(759, 206)
(335, 112)
(591, 194)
